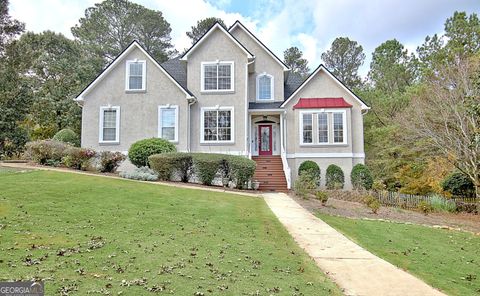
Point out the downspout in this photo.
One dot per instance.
(191, 101)
(247, 116)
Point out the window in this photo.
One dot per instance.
(136, 72)
(338, 127)
(217, 76)
(307, 128)
(322, 127)
(217, 125)
(109, 124)
(264, 87)
(168, 122)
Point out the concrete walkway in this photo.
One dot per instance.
(355, 270)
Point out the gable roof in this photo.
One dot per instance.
(118, 59)
(205, 36)
(313, 74)
(240, 25)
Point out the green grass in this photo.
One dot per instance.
(93, 235)
(445, 259)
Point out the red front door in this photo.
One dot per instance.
(265, 139)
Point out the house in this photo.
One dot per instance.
(229, 94)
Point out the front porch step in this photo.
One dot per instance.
(269, 172)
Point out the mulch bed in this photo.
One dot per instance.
(462, 221)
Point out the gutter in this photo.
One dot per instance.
(191, 101)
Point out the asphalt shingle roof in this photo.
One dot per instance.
(177, 69)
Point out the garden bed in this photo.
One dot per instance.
(462, 221)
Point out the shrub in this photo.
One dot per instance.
(334, 178)
(163, 165)
(78, 158)
(313, 169)
(425, 207)
(141, 150)
(372, 203)
(109, 161)
(464, 207)
(361, 177)
(206, 166)
(440, 204)
(458, 184)
(142, 173)
(322, 196)
(66, 135)
(241, 170)
(47, 152)
(378, 185)
(305, 184)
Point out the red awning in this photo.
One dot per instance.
(311, 103)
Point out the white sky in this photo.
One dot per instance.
(310, 25)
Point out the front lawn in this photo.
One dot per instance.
(93, 235)
(448, 260)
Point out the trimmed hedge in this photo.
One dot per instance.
(334, 177)
(205, 166)
(141, 150)
(312, 168)
(68, 136)
(361, 177)
(241, 170)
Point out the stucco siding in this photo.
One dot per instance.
(138, 110)
(219, 47)
(264, 63)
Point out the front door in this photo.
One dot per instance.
(265, 139)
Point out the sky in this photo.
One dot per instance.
(311, 25)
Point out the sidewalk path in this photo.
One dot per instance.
(354, 269)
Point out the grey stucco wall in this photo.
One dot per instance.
(264, 63)
(138, 110)
(220, 47)
(323, 86)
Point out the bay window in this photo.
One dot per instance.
(323, 127)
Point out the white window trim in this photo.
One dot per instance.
(272, 95)
(344, 117)
(127, 75)
(160, 108)
(330, 127)
(117, 125)
(232, 76)
(202, 124)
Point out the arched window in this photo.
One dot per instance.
(264, 87)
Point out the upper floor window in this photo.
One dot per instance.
(264, 87)
(136, 74)
(217, 125)
(323, 127)
(168, 122)
(109, 124)
(217, 76)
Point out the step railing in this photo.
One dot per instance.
(286, 168)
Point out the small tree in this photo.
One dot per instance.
(334, 178)
(361, 177)
(293, 57)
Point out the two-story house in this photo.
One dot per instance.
(227, 94)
